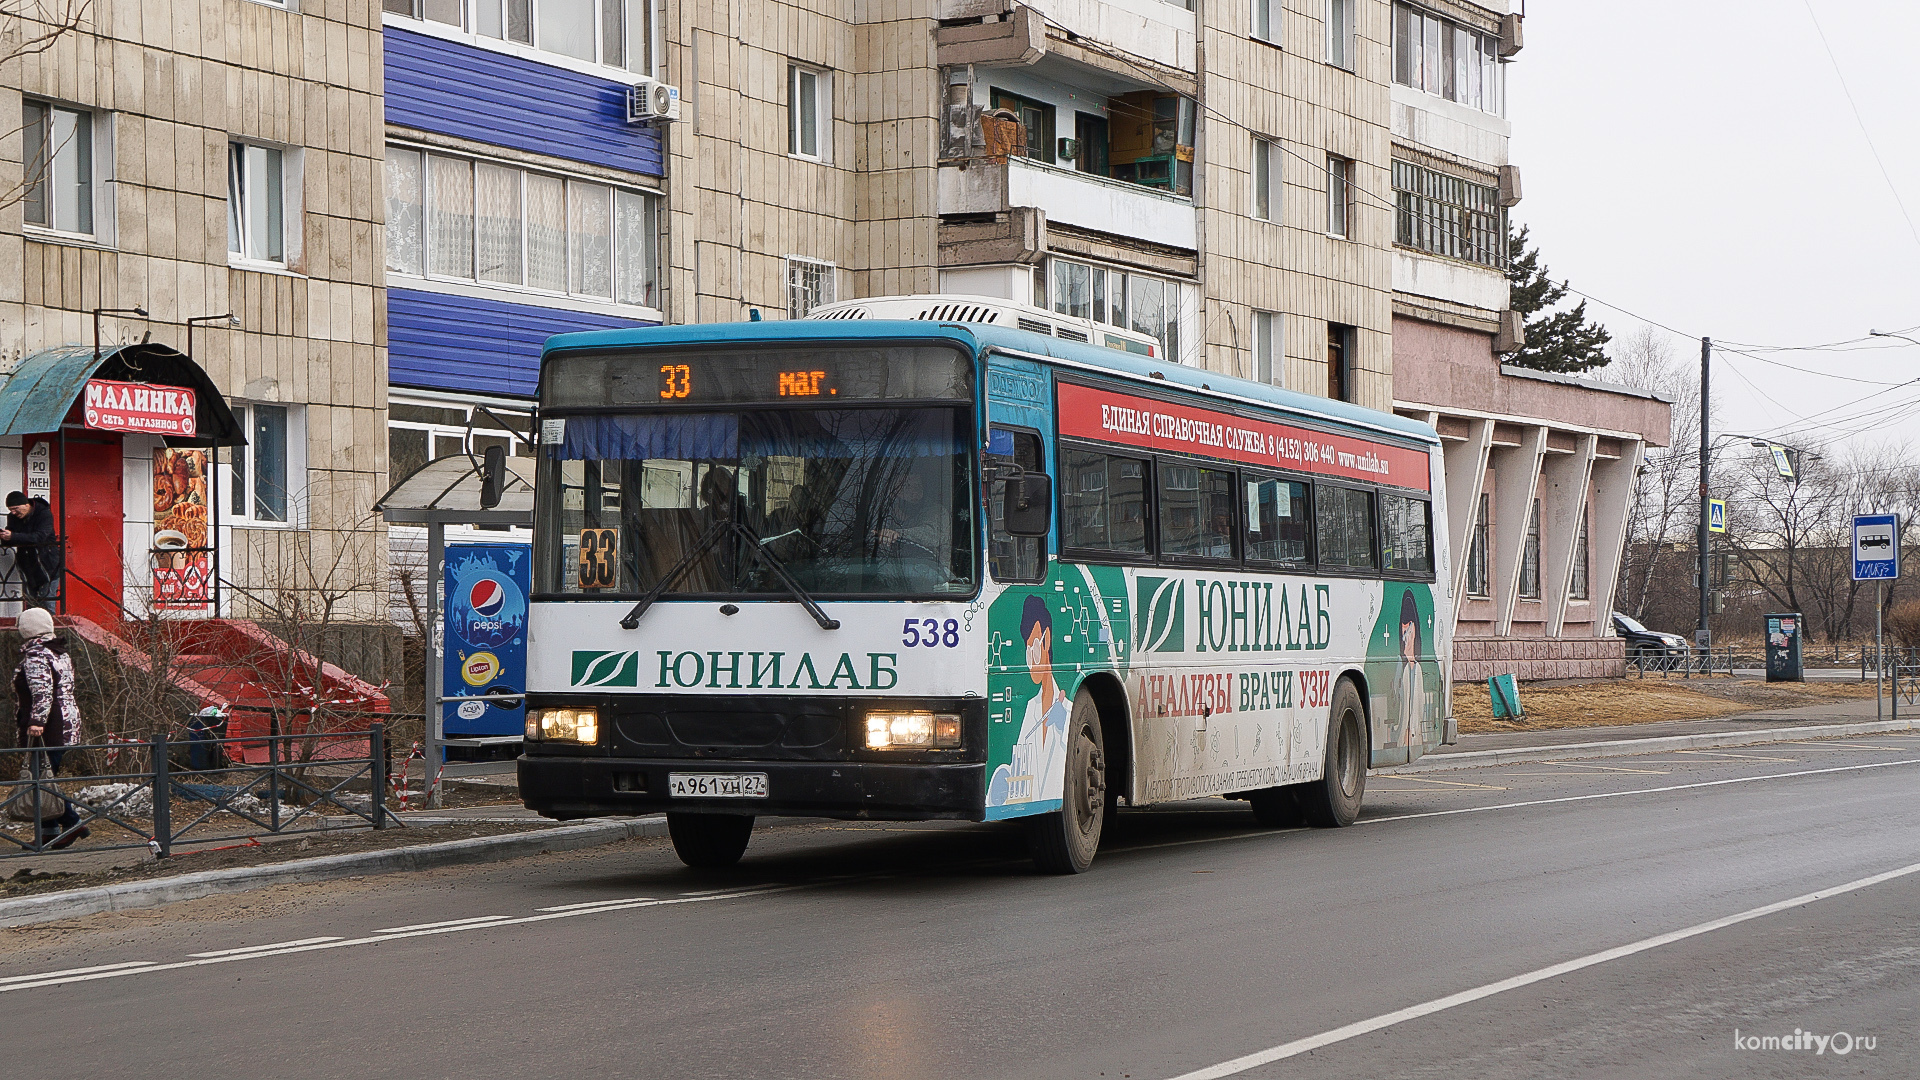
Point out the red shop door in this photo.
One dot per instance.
(95, 523)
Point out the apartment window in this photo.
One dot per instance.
(1266, 21)
(1339, 362)
(1036, 117)
(1139, 302)
(459, 219)
(809, 113)
(268, 474)
(810, 283)
(1346, 527)
(1577, 584)
(1409, 534)
(57, 171)
(1266, 179)
(256, 203)
(1477, 551)
(419, 433)
(1269, 355)
(1339, 194)
(1340, 33)
(1530, 557)
(610, 32)
(1448, 215)
(1445, 58)
(1103, 502)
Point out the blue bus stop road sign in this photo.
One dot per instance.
(1876, 547)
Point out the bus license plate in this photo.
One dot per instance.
(717, 785)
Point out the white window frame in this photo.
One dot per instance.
(239, 463)
(291, 161)
(824, 285)
(1339, 196)
(1340, 33)
(572, 182)
(645, 38)
(1270, 348)
(99, 175)
(1264, 21)
(821, 102)
(1266, 179)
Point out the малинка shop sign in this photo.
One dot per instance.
(154, 410)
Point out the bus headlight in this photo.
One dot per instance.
(564, 725)
(912, 730)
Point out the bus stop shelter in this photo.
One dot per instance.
(443, 492)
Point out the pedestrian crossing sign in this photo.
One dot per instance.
(1716, 515)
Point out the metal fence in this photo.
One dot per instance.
(199, 785)
(1685, 663)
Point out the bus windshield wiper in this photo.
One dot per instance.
(755, 545)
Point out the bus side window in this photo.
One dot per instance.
(1013, 558)
(1409, 534)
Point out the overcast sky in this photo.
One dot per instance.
(1697, 163)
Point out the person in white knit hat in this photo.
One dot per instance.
(46, 711)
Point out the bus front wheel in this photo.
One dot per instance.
(1064, 841)
(709, 841)
(1334, 799)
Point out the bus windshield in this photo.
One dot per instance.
(870, 501)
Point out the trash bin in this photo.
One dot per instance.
(1783, 648)
(207, 725)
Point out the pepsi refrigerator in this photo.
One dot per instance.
(485, 629)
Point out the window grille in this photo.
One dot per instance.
(809, 285)
(1446, 215)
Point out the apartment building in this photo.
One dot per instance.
(186, 206)
(1540, 468)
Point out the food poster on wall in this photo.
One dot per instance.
(486, 637)
(182, 558)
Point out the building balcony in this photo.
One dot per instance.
(1068, 197)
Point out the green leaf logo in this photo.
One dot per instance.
(1162, 604)
(606, 668)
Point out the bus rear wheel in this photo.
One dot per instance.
(1334, 800)
(709, 841)
(1064, 841)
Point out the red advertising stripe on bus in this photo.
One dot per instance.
(1147, 424)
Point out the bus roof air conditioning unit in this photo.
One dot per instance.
(650, 101)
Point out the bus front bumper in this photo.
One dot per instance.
(578, 787)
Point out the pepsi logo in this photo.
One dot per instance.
(487, 597)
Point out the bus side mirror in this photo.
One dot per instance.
(1027, 507)
(493, 476)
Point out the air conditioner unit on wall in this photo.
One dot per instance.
(650, 101)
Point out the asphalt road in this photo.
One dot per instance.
(1634, 917)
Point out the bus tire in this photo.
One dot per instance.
(1334, 800)
(1277, 807)
(1064, 841)
(709, 841)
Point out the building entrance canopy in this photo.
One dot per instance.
(42, 391)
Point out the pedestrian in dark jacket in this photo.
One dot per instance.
(45, 709)
(35, 543)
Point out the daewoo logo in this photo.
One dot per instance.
(1162, 619)
(606, 668)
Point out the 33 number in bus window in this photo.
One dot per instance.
(676, 381)
(930, 634)
(599, 558)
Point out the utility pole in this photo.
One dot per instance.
(1703, 637)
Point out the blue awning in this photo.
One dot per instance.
(42, 390)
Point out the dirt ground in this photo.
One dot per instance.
(1560, 704)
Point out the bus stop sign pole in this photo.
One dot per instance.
(1876, 558)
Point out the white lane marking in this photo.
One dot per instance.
(273, 945)
(1520, 805)
(1603, 768)
(440, 925)
(128, 966)
(594, 904)
(1554, 971)
(59, 978)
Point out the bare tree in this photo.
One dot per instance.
(1665, 505)
(29, 28)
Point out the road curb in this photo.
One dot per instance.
(28, 910)
(1473, 759)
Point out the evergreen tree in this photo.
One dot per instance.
(1563, 341)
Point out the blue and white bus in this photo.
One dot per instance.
(908, 569)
